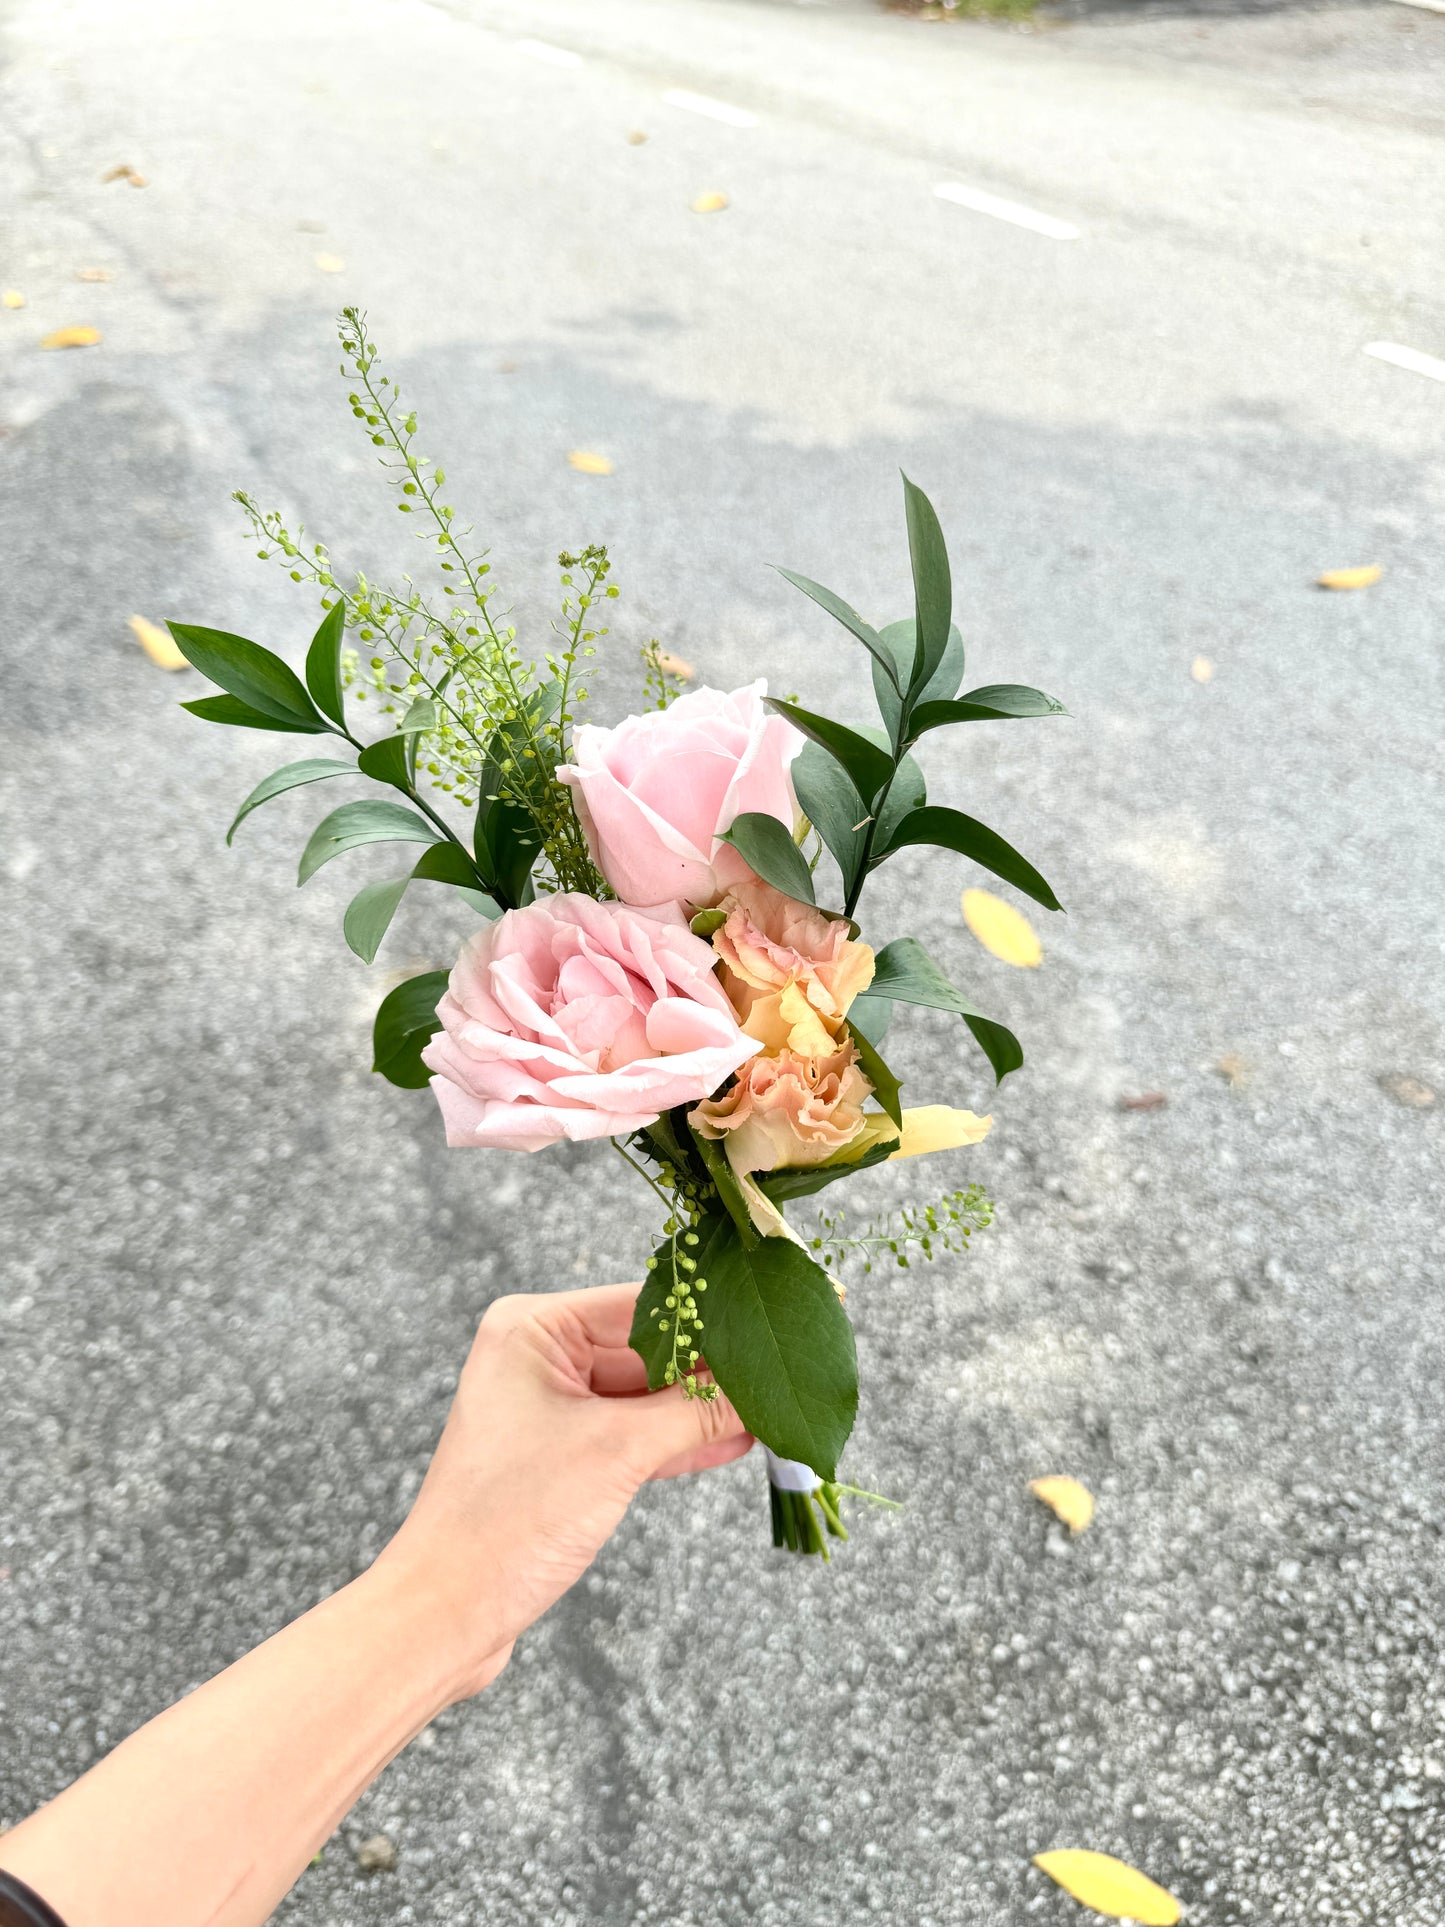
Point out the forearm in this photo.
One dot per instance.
(207, 1815)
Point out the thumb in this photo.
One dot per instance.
(675, 1434)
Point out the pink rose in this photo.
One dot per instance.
(787, 1110)
(654, 795)
(791, 971)
(577, 1019)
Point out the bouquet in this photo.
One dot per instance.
(668, 956)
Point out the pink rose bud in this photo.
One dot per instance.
(655, 794)
(577, 1019)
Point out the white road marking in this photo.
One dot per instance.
(981, 203)
(1410, 358)
(713, 109)
(553, 56)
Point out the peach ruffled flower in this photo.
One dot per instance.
(790, 971)
(787, 1110)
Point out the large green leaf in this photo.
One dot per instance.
(406, 1019)
(369, 914)
(868, 766)
(449, 863)
(766, 847)
(372, 821)
(386, 761)
(996, 703)
(238, 715)
(932, 584)
(504, 836)
(247, 671)
(290, 777)
(828, 799)
(323, 663)
(885, 1085)
(943, 683)
(903, 970)
(850, 619)
(952, 830)
(807, 1179)
(777, 1341)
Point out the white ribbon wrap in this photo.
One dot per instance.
(791, 1475)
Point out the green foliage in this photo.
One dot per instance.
(404, 1022)
(915, 1232)
(289, 777)
(372, 821)
(903, 972)
(765, 845)
(952, 830)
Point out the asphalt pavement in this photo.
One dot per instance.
(240, 1273)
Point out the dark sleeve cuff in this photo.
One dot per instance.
(19, 1907)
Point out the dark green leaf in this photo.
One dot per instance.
(406, 1019)
(828, 799)
(766, 847)
(779, 1344)
(386, 762)
(900, 638)
(291, 777)
(994, 704)
(909, 793)
(806, 1179)
(369, 914)
(248, 671)
(932, 585)
(885, 1085)
(323, 662)
(904, 970)
(728, 1189)
(447, 863)
(872, 1015)
(868, 766)
(850, 619)
(373, 821)
(952, 830)
(239, 715)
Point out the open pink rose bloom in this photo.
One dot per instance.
(577, 1019)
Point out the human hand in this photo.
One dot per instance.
(551, 1433)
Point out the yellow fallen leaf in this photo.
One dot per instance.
(94, 274)
(674, 666)
(586, 463)
(125, 172)
(710, 203)
(330, 263)
(1109, 1886)
(1067, 1500)
(1202, 669)
(1351, 578)
(12, 298)
(1003, 931)
(635, 137)
(1233, 1069)
(157, 644)
(72, 338)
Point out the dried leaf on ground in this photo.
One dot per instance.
(710, 203)
(157, 644)
(1003, 931)
(1144, 1101)
(1202, 669)
(94, 274)
(1413, 1092)
(83, 337)
(330, 263)
(125, 172)
(1360, 578)
(635, 137)
(1109, 1886)
(12, 298)
(586, 463)
(1233, 1069)
(1066, 1499)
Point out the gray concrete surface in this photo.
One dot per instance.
(240, 1275)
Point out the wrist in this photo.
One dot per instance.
(443, 1615)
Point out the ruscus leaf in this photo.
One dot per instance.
(238, 715)
(868, 766)
(998, 702)
(932, 584)
(904, 970)
(764, 844)
(386, 762)
(832, 805)
(247, 671)
(405, 1020)
(952, 830)
(369, 914)
(323, 662)
(885, 1085)
(290, 777)
(371, 821)
(851, 620)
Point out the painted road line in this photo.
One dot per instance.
(553, 56)
(981, 203)
(713, 109)
(1410, 358)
